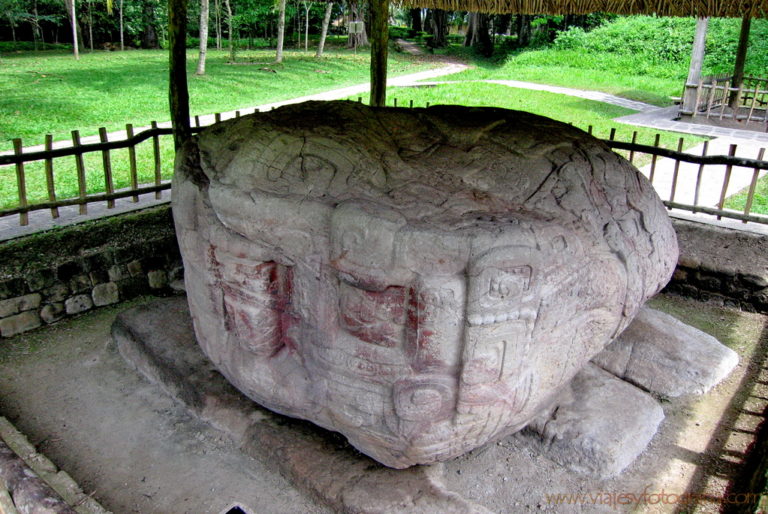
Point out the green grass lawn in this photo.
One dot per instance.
(610, 73)
(51, 93)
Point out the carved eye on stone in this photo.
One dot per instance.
(506, 284)
(424, 399)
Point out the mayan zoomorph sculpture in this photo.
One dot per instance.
(420, 280)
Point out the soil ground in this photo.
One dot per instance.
(137, 450)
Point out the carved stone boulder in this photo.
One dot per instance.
(420, 280)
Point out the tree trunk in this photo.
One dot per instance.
(307, 5)
(149, 34)
(741, 59)
(90, 24)
(355, 14)
(230, 28)
(72, 8)
(505, 24)
(13, 30)
(379, 47)
(324, 32)
(439, 28)
(471, 28)
(416, 25)
(217, 8)
(480, 37)
(178, 89)
(694, 70)
(280, 32)
(122, 34)
(523, 29)
(204, 8)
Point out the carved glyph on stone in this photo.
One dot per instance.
(422, 281)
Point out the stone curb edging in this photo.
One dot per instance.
(60, 481)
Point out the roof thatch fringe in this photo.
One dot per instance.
(714, 8)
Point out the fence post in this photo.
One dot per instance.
(108, 183)
(726, 180)
(753, 185)
(81, 184)
(676, 171)
(49, 182)
(132, 162)
(158, 166)
(699, 176)
(21, 182)
(654, 158)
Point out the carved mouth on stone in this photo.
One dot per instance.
(527, 314)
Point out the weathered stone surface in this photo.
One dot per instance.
(597, 425)
(22, 303)
(19, 323)
(105, 294)
(157, 279)
(80, 283)
(420, 280)
(167, 354)
(78, 304)
(52, 312)
(661, 354)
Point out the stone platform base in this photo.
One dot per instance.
(598, 425)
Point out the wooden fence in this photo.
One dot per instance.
(754, 167)
(715, 98)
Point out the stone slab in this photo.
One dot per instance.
(661, 354)
(598, 424)
(157, 339)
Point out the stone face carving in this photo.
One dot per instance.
(422, 281)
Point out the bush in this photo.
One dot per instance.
(400, 33)
(28, 46)
(651, 40)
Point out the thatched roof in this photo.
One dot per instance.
(714, 8)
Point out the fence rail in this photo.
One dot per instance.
(709, 168)
(717, 98)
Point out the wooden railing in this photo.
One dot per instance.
(715, 97)
(709, 168)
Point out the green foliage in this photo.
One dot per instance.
(400, 32)
(28, 46)
(662, 46)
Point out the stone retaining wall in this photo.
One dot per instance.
(721, 265)
(52, 275)
(49, 276)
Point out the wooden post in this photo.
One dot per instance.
(21, 182)
(81, 178)
(49, 182)
(178, 89)
(107, 162)
(158, 165)
(694, 70)
(379, 47)
(134, 172)
(741, 58)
